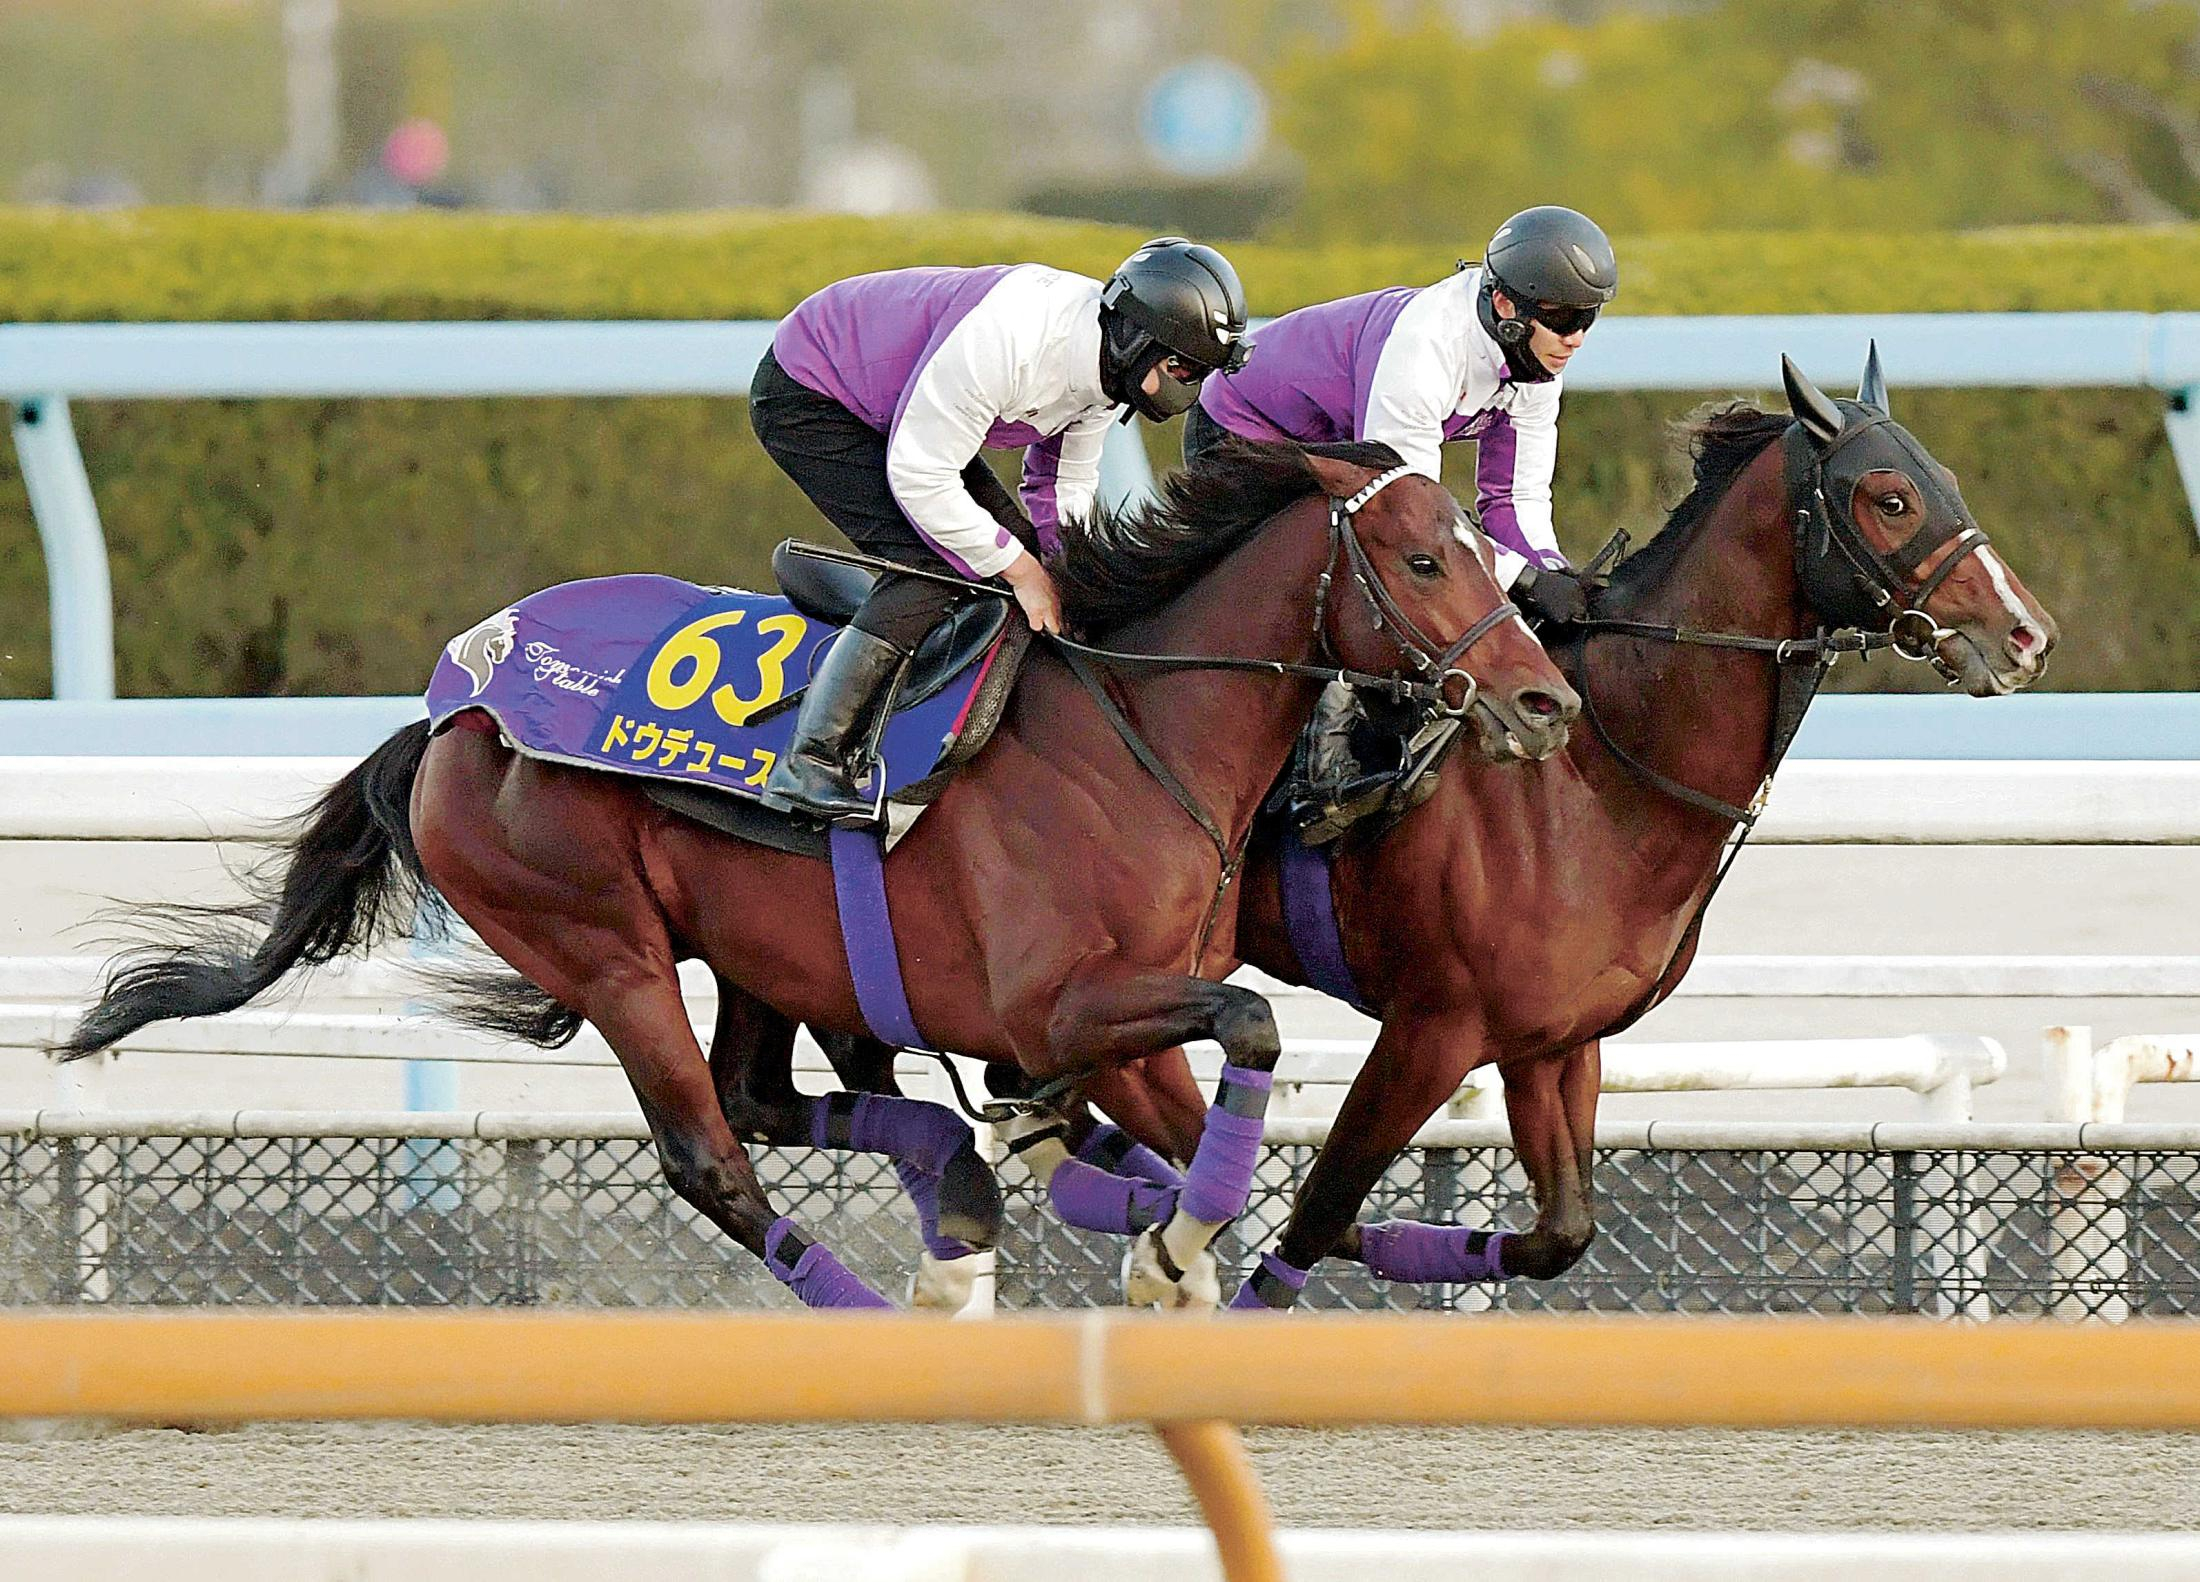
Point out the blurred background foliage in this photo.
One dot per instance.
(1393, 120)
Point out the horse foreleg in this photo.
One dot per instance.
(1551, 1102)
(1414, 1068)
(1117, 1179)
(1105, 1018)
(1552, 1105)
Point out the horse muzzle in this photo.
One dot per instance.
(1527, 725)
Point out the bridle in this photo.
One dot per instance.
(1427, 657)
(1881, 589)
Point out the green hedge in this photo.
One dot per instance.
(308, 547)
(65, 265)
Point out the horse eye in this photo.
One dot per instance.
(1423, 565)
(1892, 505)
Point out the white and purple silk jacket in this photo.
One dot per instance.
(1412, 367)
(945, 362)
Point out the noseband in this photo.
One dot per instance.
(1424, 653)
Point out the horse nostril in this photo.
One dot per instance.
(1540, 707)
(2026, 640)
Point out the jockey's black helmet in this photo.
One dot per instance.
(1172, 297)
(1555, 256)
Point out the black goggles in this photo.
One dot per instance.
(1190, 371)
(1561, 320)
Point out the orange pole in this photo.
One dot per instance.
(1221, 1475)
(1096, 1368)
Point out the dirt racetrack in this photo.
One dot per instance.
(1516, 1478)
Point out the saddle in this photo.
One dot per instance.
(693, 690)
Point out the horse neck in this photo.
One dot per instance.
(1702, 716)
(1226, 733)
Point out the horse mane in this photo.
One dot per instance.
(1720, 441)
(1115, 564)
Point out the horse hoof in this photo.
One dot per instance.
(1147, 1284)
(970, 1208)
(943, 1287)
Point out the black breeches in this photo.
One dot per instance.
(839, 461)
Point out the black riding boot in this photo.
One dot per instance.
(829, 757)
(1338, 791)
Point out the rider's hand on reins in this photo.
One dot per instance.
(1555, 596)
(1035, 593)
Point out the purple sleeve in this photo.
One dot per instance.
(1042, 469)
(1497, 455)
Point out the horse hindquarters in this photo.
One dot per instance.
(545, 864)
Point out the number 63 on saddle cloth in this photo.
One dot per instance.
(652, 676)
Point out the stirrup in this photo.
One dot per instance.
(825, 793)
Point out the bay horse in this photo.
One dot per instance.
(1519, 919)
(1054, 907)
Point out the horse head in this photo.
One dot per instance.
(1428, 575)
(1887, 544)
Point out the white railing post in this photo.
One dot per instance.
(79, 596)
(2088, 1227)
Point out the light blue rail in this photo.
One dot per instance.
(44, 366)
(2069, 725)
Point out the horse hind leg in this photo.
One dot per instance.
(630, 992)
(1105, 1019)
(935, 1154)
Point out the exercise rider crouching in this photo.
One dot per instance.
(878, 393)
(1481, 355)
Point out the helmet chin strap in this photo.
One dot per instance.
(1527, 368)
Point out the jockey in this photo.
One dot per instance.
(876, 397)
(1479, 356)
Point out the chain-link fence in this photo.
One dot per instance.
(350, 1219)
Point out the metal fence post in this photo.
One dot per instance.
(68, 1219)
(1905, 1232)
(1440, 1206)
(522, 1219)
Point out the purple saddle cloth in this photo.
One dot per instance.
(652, 676)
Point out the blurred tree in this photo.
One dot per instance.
(1748, 114)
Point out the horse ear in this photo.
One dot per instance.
(1873, 391)
(1820, 418)
(1340, 480)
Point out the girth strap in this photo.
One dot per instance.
(867, 935)
(1310, 919)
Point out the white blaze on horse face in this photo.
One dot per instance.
(1477, 541)
(2008, 594)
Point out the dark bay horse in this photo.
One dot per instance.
(1051, 908)
(1518, 918)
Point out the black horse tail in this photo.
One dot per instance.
(348, 877)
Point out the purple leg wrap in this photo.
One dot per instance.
(1403, 1249)
(1221, 1177)
(1091, 1199)
(1272, 1287)
(924, 1133)
(816, 1276)
(923, 1187)
(1111, 1149)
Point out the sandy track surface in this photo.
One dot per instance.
(1393, 1478)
